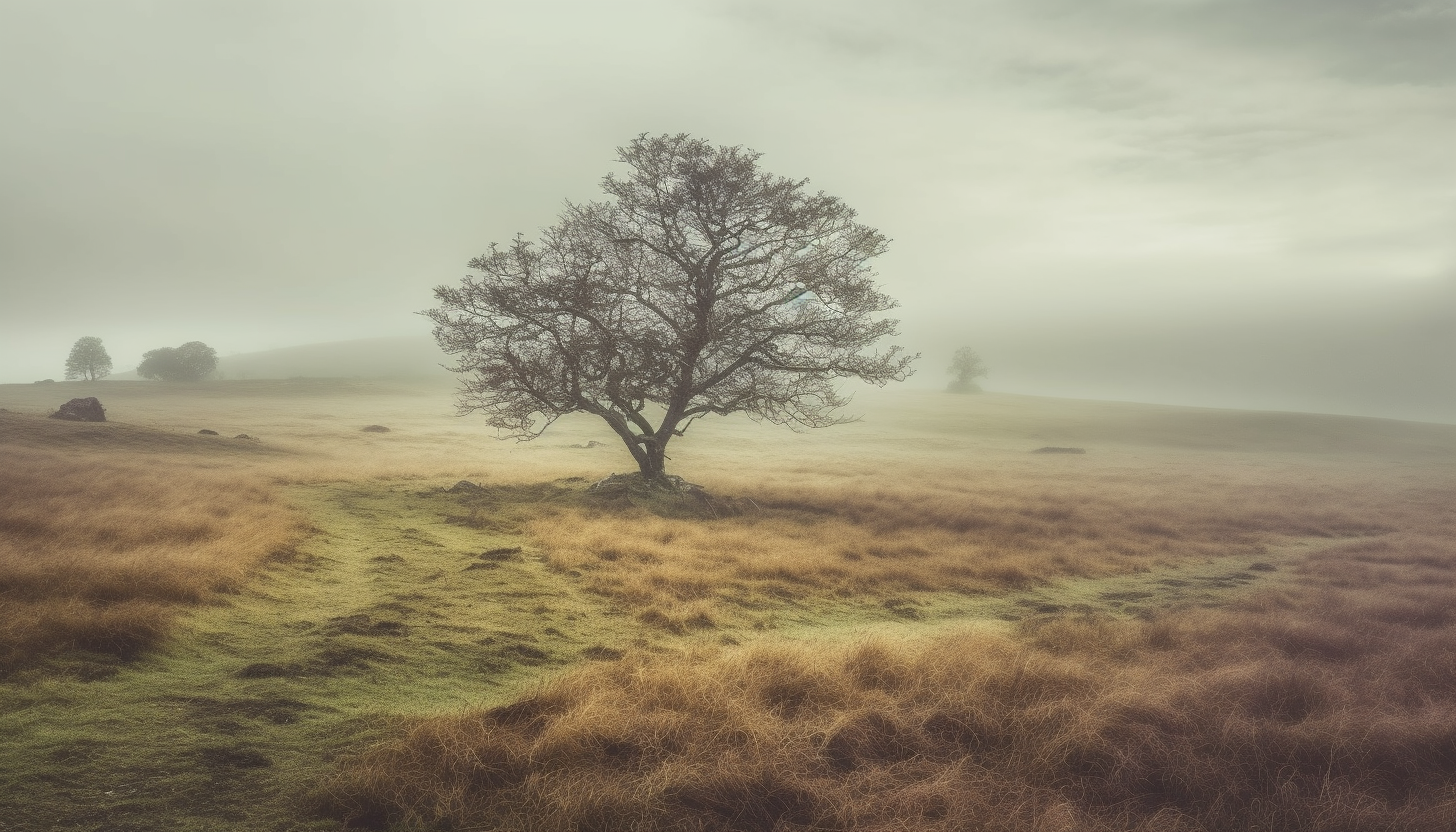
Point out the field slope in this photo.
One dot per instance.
(1207, 620)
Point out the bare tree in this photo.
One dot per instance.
(88, 359)
(966, 366)
(705, 286)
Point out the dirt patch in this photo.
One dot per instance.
(268, 670)
(225, 757)
(364, 625)
(339, 657)
(279, 710)
(598, 652)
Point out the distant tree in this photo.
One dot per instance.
(193, 361)
(88, 360)
(706, 286)
(966, 366)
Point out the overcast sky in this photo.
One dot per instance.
(1241, 202)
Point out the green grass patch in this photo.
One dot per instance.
(386, 609)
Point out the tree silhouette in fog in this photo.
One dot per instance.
(705, 286)
(966, 366)
(88, 359)
(193, 361)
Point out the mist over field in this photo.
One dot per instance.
(1159, 536)
(1226, 203)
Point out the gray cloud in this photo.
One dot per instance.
(1365, 41)
(265, 174)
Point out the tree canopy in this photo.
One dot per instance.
(88, 359)
(193, 361)
(705, 285)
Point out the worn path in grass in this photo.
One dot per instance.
(386, 609)
(390, 609)
(1204, 582)
(1190, 583)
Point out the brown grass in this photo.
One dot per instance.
(1324, 705)
(934, 530)
(99, 549)
(1327, 707)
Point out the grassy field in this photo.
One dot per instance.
(1209, 620)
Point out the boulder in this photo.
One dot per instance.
(206, 432)
(375, 429)
(88, 409)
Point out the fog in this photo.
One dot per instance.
(1214, 202)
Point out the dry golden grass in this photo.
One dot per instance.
(930, 530)
(1326, 707)
(100, 548)
(1326, 704)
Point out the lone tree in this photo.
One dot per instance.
(193, 361)
(966, 366)
(706, 285)
(88, 360)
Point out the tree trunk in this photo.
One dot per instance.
(653, 460)
(649, 450)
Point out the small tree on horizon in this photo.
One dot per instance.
(706, 286)
(88, 360)
(193, 361)
(966, 366)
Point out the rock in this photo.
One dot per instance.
(375, 429)
(206, 432)
(1055, 450)
(82, 410)
(45, 381)
(247, 437)
(464, 487)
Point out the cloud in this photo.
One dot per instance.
(1211, 128)
(1376, 42)
(270, 173)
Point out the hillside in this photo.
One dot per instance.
(1239, 617)
(402, 357)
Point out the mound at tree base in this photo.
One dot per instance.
(666, 494)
